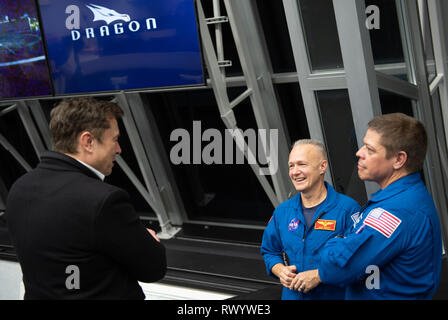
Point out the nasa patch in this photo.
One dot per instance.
(293, 224)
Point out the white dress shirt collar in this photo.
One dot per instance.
(99, 174)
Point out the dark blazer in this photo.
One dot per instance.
(61, 215)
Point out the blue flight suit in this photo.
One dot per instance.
(407, 250)
(287, 232)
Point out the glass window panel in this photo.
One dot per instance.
(273, 21)
(217, 192)
(340, 138)
(444, 6)
(386, 41)
(10, 169)
(13, 130)
(291, 103)
(321, 34)
(391, 102)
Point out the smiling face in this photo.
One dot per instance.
(373, 164)
(104, 152)
(306, 168)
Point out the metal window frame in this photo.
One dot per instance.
(257, 69)
(362, 82)
(359, 67)
(309, 82)
(440, 45)
(151, 189)
(257, 78)
(425, 112)
(36, 127)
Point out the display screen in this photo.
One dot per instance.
(23, 67)
(99, 45)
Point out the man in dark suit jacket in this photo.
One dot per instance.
(77, 237)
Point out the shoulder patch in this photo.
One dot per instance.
(355, 217)
(382, 221)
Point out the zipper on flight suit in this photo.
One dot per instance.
(312, 225)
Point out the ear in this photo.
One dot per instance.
(400, 160)
(86, 141)
(323, 166)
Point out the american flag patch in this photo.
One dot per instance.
(382, 221)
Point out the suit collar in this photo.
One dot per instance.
(396, 187)
(328, 203)
(60, 162)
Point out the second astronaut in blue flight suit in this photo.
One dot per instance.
(301, 225)
(397, 235)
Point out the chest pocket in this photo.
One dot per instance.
(292, 235)
(320, 236)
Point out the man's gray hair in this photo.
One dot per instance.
(319, 145)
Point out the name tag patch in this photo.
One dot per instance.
(329, 225)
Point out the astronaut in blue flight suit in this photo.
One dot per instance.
(301, 225)
(397, 235)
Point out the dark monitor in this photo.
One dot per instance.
(23, 67)
(100, 46)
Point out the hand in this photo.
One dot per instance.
(285, 273)
(305, 281)
(153, 233)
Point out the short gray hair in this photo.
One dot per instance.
(319, 145)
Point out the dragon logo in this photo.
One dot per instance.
(107, 15)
